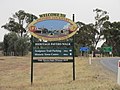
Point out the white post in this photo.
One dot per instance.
(90, 60)
(118, 76)
(92, 55)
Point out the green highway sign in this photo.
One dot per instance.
(107, 49)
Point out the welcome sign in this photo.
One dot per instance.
(53, 27)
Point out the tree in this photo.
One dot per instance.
(17, 25)
(22, 46)
(16, 45)
(100, 18)
(9, 43)
(13, 26)
(86, 34)
(19, 22)
(112, 36)
(1, 45)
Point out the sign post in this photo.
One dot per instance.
(73, 52)
(31, 60)
(47, 29)
(90, 60)
(118, 76)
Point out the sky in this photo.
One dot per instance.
(83, 9)
(53, 24)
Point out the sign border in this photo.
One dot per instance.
(53, 18)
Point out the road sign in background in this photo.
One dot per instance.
(84, 49)
(107, 49)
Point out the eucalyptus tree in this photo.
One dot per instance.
(19, 22)
(20, 16)
(22, 46)
(17, 25)
(12, 26)
(85, 35)
(100, 18)
(112, 36)
(29, 18)
(9, 43)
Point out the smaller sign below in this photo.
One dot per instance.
(52, 60)
(84, 49)
(52, 52)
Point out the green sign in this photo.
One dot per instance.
(52, 44)
(107, 49)
(52, 52)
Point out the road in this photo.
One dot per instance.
(110, 63)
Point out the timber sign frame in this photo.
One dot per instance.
(52, 35)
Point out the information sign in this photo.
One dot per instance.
(52, 52)
(51, 60)
(53, 44)
(52, 28)
(107, 49)
(84, 49)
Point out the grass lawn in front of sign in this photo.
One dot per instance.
(15, 75)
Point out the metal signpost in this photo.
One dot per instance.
(54, 45)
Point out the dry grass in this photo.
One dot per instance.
(15, 75)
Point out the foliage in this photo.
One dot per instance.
(17, 41)
(19, 22)
(112, 36)
(22, 46)
(1, 45)
(100, 18)
(85, 36)
(90, 34)
(9, 42)
(15, 45)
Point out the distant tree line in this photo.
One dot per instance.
(17, 42)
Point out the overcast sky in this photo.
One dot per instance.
(83, 9)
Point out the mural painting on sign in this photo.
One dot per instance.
(53, 28)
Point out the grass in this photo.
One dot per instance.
(15, 75)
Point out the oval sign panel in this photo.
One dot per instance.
(52, 27)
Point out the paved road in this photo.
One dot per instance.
(110, 63)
